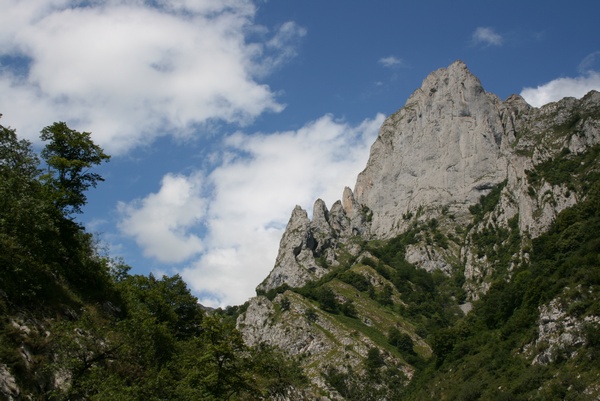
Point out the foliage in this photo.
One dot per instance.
(349, 309)
(356, 280)
(69, 155)
(327, 300)
(498, 244)
(88, 323)
(484, 352)
(403, 341)
(28, 221)
(430, 298)
(38, 241)
(487, 203)
(374, 360)
(386, 383)
(578, 171)
(272, 293)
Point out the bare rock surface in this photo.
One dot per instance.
(444, 146)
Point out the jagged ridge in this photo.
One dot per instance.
(457, 170)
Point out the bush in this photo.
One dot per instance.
(327, 300)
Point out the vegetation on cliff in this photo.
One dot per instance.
(495, 312)
(76, 325)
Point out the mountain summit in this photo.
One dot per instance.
(459, 191)
(465, 265)
(446, 146)
(450, 144)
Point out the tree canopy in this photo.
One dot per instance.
(69, 156)
(99, 331)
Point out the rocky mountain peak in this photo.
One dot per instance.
(444, 147)
(451, 144)
(463, 186)
(308, 246)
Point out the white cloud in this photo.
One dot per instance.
(562, 87)
(390, 61)
(486, 36)
(258, 181)
(129, 72)
(590, 63)
(161, 222)
(283, 46)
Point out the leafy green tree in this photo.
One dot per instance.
(16, 156)
(28, 231)
(385, 296)
(394, 336)
(349, 309)
(167, 300)
(356, 280)
(275, 373)
(214, 360)
(285, 304)
(405, 344)
(327, 299)
(69, 156)
(374, 360)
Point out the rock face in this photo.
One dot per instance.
(465, 181)
(300, 335)
(559, 334)
(443, 147)
(451, 144)
(307, 246)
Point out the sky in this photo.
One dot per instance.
(221, 116)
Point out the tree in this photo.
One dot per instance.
(394, 336)
(167, 300)
(327, 300)
(349, 309)
(405, 344)
(69, 156)
(374, 360)
(16, 156)
(275, 374)
(27, 217)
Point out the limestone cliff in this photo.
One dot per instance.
(308, 246)
(460, 183)
(445, 146)
(451, 144)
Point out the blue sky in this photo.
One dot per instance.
(221, 116)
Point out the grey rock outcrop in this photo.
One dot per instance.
(558, 332)
(317, 336)
(307, 247)
(540, 135)
(295, 263)
(451, 149)
(8, 384)
(444, 146)
(449, 145)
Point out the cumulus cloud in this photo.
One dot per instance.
(562, 87)
(129, 72)
(590, 63)
(486, 36)
(161, 222)
(390, 61)
(249, 198)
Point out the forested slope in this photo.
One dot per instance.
(468, 272)
(76, 325)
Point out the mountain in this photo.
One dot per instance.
(474, 221)
(464, 265)
(75, 325)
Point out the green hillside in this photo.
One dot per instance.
(75, 325)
